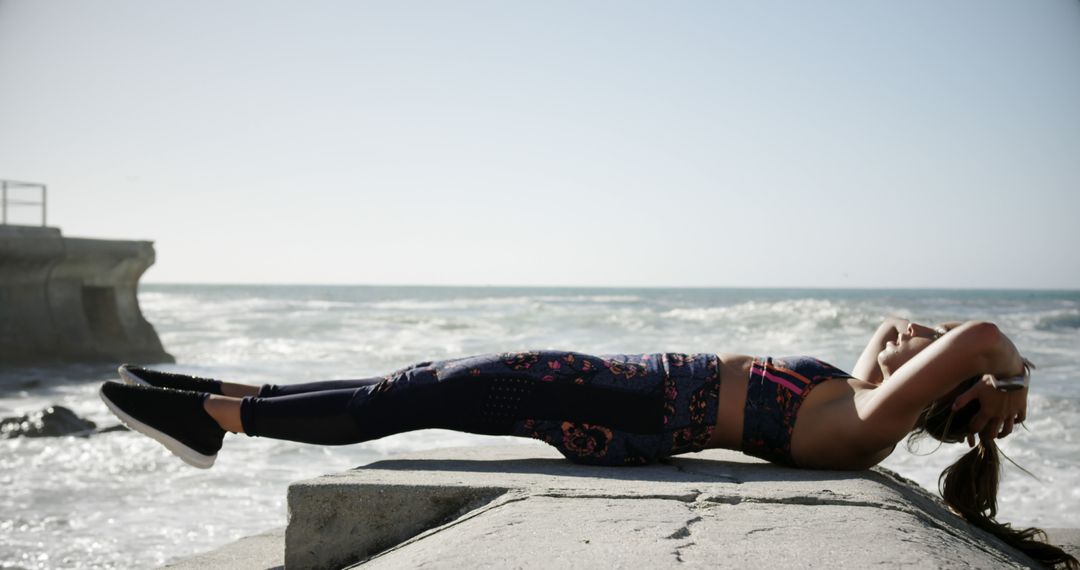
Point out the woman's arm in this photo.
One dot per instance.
(866, 368)
(969, 350)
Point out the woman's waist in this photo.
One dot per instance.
(734, 371)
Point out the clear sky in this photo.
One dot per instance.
(855, 143)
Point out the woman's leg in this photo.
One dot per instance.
(276, 390)
(237, 390)
(486, 395)
(353, 415)
(615, 410)
(234, 390)
(132, 374)
(320, 417)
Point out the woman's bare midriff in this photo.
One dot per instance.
(734, 377)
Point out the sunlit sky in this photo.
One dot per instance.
(715, 143)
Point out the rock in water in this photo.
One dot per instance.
(50, 422)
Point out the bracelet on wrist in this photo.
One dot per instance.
(1014, 383)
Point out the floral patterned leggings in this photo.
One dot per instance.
(600, 410)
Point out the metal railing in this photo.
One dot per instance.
(15, 184)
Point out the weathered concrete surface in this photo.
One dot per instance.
(72, 300)
(525, 506)
(258, 552)
(1067, 538)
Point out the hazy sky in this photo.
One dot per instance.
(840, 144)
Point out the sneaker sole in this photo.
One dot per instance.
(130, 378)
(179, 449)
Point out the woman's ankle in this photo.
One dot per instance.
(239, 390)
(225, 410)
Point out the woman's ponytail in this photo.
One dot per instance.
(970, 488)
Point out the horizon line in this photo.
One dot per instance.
(625, 287)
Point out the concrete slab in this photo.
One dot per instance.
(1067, 538)
(526, 506)
(260, 552)
(655, 533)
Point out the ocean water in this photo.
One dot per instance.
(120, 500)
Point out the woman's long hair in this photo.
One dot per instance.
(970, 486)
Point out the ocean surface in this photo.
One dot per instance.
(119, 500)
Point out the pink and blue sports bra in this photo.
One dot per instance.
(774, 394)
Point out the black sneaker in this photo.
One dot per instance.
(138, 375)
(175, 418)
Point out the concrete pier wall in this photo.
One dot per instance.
(73, 299)
(527, 507)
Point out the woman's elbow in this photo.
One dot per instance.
(987, 343)
(984, 333)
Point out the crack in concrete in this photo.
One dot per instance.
(763, 529)
(684, 530)
(805, 500)
(684, 498)
(678, 551)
